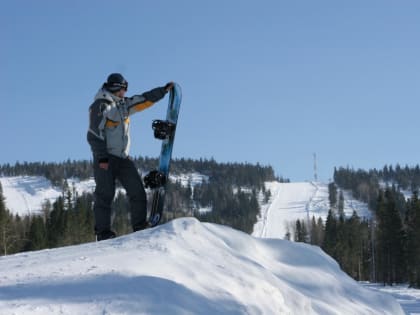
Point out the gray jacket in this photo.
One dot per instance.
(109, 121)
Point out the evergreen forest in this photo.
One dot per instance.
(384, 248)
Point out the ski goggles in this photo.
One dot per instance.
(114, 87)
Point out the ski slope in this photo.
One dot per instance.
(184, 267)
(303, 200)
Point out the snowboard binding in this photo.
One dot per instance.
(163, 129)
(154, 179)
(154, 220)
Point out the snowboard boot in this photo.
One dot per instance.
(141, 226)
(104, 235)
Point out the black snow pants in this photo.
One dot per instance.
(125, 171)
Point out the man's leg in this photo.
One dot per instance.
(132, 183)
(103, 197)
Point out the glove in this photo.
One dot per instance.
(104, 163)
(169, 86)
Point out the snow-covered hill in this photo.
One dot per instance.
(184, 267)
(292, 201)
(26, 194)
(64, 281)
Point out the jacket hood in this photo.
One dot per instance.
(105, 94)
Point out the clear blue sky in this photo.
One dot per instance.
(263, 81)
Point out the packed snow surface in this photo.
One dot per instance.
(408, 298)
(184, 267)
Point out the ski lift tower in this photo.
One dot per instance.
(315, 169)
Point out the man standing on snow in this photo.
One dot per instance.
(109, 139)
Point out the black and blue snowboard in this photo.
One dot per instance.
(165, 131)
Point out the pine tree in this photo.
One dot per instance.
(412, 222)
(332, 195)
(120, 215)
(85, 218)
(3, 211)
(316, 231)
(330, 237)
(37, 238)
(391, 264)
(355, 236)
(4, 224)
(301, 232)
(341, 248)
(79, 223)
(340, 207)
(9, 231)
(321, 231)
(56, 224)
(267, 196)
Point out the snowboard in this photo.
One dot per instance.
(165, 131)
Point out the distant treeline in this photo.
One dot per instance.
(242, 174)
(231, 193)
(365, 185)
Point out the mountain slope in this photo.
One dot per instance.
(24, 195)
(292, 201)
(184, 267)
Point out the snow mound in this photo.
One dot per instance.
(184, 267)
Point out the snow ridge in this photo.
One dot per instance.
(184, 267)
